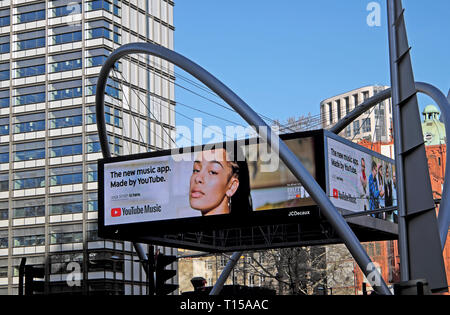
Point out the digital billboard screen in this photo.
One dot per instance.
(359, 180)
(237, 184)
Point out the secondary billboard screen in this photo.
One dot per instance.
(358, 179)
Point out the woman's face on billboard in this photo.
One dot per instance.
(212, 183)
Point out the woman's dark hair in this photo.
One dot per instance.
(374, 165)
(241, 201)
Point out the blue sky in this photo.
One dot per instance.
(283, 57)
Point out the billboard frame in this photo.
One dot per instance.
(260, 224)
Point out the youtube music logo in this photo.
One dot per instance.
(116, 212)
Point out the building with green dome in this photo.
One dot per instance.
(432, 127)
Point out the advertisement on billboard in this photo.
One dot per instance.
(359, 181)
(242, 179)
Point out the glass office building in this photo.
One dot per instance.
(50, 55)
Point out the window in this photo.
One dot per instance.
(66, 65)
(4, 154)
(5, 18)
(112, 88)
(59, 262)
(29, 237)
(348, 131)
(65, 147)
(3, 268)
(251, 280)
(110, 6)
(4, 99)
(223, 261)
(95, 61)
(65, 94)
(35, 261)
(31, 43)
(4, 182)
(29, 123)
(66, 175)
(330, 112)
(91, 172)
(64, 234)
(65, 90)
(4, 75)
(30, 67)
(4, 210)
(104, 261)
(4, 44)
(66, 38)
(338, 108)
(29, 95)
(29, 208)
(4, 48)
(102, 32)
(92, 202)
(356, 128)
(30, 99)
(355, 99)
(29, 151)
(91, 117)
(366, 126)
(116, 144)
(74, 7)
(4, 126)
(29, 179)
(93, 144)
(65, 118)
(97, 57)
(4, 238)
(347, 105)
(30, 16)
(66, 204)
(365, 95)
(103, 29)
(113, 116)
(4, 71)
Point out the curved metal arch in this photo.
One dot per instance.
(444, 104)
(290, 159)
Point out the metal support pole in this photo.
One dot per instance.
(23, 262)
(141, 254)
(444, 211)
(225, 273)
(402, 237)
(151, 270)
(419, 243)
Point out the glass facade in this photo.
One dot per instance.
(51, 57)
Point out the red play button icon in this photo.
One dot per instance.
(336, 193)
(116, 212)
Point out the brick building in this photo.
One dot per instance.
(386, 253)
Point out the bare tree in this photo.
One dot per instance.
(293, 271)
